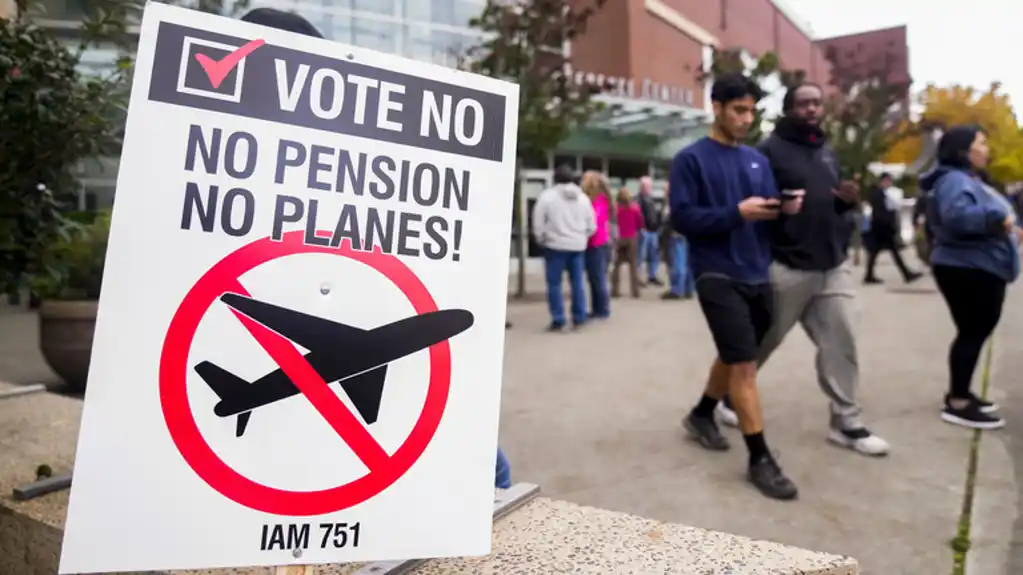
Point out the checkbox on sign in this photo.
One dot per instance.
(213, 70)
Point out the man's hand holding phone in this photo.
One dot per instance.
(755, 209)
(792, 201)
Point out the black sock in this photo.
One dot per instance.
(706, 407)
(757, 447)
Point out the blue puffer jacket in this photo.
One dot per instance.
(966, 217)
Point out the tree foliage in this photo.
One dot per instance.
(522, 43)
(866, 106)
(767, 67)
(952, 105)
(54, 118)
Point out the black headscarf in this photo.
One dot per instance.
(288, 21)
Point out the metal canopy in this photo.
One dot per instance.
(624, 116)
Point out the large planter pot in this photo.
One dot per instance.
(65, 338)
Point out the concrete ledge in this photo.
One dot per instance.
(544, 536)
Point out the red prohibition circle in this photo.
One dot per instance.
(177, 412)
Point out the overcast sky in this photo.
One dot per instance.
(950, 41)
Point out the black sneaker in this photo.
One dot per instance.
(656, 282)
(984, 405)
(704, 430)
(873, 281)
(971, 415)
(669, 295)
(556, 327)
(913, 276)
(770, 480)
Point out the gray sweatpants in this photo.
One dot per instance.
(821, 302)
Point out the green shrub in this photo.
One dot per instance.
(74, 263)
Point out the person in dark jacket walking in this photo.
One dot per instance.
(884, 232)
(811, 279)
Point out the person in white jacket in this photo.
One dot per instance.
(563, 221)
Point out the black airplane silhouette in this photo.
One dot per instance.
(356, 358)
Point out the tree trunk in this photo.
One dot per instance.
(523, 232)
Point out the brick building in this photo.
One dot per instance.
(669, 41)
(865, 52)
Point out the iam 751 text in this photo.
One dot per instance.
(287, 537)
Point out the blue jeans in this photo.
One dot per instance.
(503, 479)
(681, 276)
(596, 274)
(650, 253)
(557, 263)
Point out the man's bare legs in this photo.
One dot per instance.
(739, 382)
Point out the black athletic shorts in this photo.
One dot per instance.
(738, 315)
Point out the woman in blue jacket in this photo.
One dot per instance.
(976, 254)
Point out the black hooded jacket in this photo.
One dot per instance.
(817, 237)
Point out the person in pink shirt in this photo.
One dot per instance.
(598, 250)
(630, 224)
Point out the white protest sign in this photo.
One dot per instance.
(298, 353)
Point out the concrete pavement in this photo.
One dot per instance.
(593, 417)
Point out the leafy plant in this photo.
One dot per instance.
(866, 110)
(74, 263)
(53, 119)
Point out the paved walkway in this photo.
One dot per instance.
(593, 417)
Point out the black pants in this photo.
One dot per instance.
(974, 298)
(874, 251)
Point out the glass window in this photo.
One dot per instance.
(448, 12)
(430, 45)
(337, 28)
(566, 160)
(62, 9)
(378, 6)
(375, 35)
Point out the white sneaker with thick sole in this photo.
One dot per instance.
(726, 416)
(860, 441)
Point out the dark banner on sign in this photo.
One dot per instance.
(202, 69)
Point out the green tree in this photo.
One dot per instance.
(864, 112)
(522, 43)
(54, 118)
(768, 65)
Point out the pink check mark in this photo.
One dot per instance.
(217, 70)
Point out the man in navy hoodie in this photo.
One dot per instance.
(724, 200)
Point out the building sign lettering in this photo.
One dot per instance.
(645, 89)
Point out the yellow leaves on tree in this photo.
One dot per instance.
(962, 105)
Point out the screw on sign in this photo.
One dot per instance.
(361, 371)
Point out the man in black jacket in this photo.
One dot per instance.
(811, 279)
(884, 234)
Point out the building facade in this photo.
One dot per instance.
(866, 52)
(652, 54)
(669, 41)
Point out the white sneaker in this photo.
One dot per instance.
(726, 416)
(861, 441)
